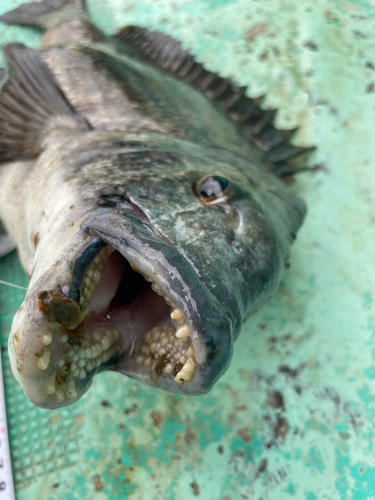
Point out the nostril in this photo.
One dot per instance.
(123, 203)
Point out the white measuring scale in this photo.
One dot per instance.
(6, 478)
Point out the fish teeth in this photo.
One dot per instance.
(71, 390)
(177, 314)
(50, 385)
(187, 371)
(92, 277)
(44, 360)
(183, 332)
(80, 361)
(59, 396)
(190, 351)
(47, 338)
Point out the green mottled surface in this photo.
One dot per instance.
(294, 415)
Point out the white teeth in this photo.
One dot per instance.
(92, 278)
(50, 385)
(140, 359)
(190, 352)
(146, 350)
(96, 351)
(97, 336)
(71, 390)
(182, 332)
(97, 276)
(47, 338)
(168, 369)
(187, 372)
(59, 396)
(64, 338)
(105, 343)
(82, 374)
(43, 361)
(176, 314)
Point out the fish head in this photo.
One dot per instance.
(157, 276)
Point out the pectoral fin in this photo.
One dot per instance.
(31, 105)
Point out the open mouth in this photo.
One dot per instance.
(124, 318)
(128, 301)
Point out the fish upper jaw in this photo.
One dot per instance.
(131, 304)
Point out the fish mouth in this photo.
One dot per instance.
(133, 305)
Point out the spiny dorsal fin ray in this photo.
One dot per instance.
(256, 123)
(29, 101)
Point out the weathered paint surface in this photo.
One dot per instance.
(294, 415)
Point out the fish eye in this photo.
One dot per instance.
(212, 188)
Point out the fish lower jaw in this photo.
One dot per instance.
(148, 335)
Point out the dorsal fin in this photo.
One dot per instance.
(254, 122)
(31, 103)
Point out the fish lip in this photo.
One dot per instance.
(212, 330)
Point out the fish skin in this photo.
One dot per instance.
(151, 138)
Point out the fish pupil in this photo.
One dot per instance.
(212, 187)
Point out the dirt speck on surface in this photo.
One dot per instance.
(79, 419)
(255, 31)
(157, 419)
(195, 487)
(281, 427)
(190, 435)
(263, 465)
(98, 483)
(311, 46)
(244, 434)
(275, 400)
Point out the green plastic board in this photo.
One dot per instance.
(294, 415)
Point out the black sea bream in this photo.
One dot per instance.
(144, 196)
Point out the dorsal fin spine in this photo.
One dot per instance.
(167, 53)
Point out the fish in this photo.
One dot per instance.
(146, 197)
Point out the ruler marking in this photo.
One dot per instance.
(6, 477)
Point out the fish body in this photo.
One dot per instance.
(148, 212)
